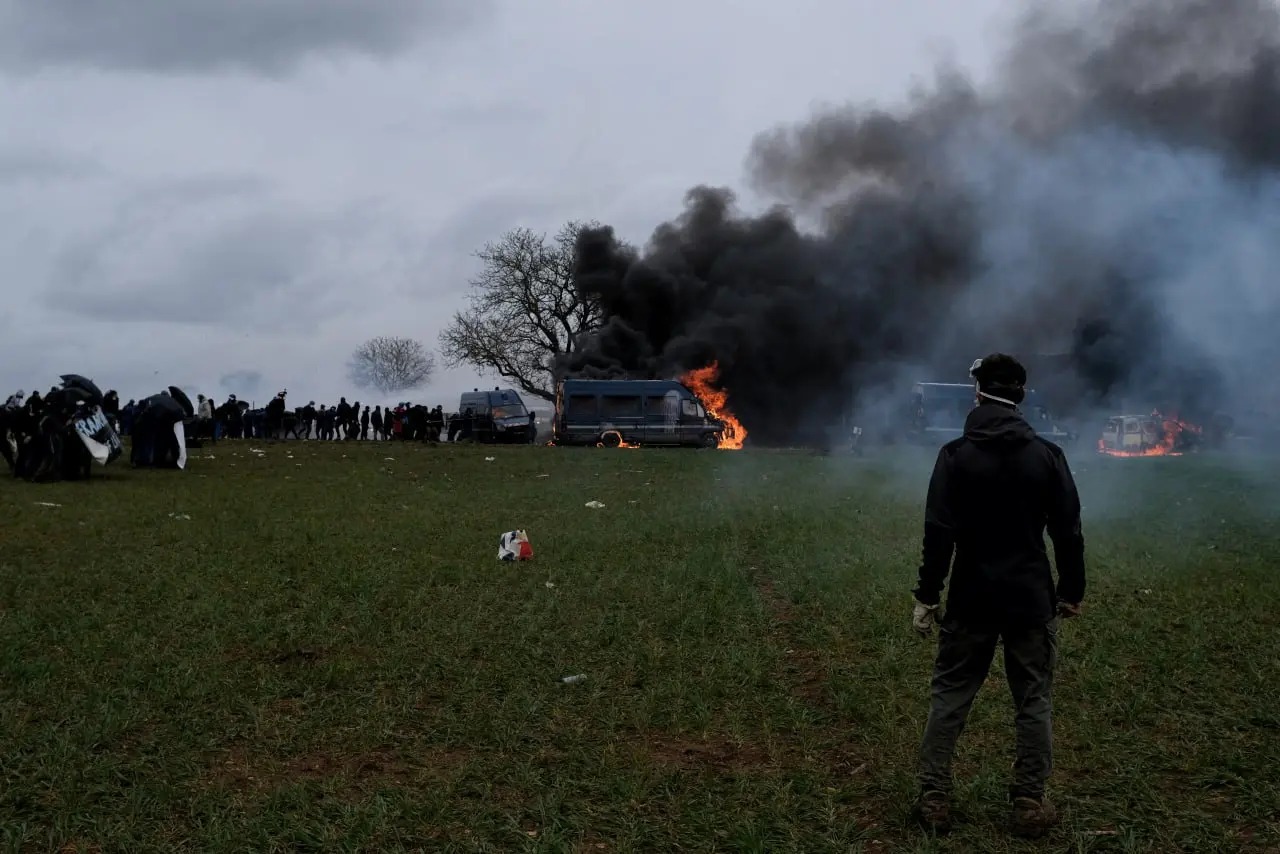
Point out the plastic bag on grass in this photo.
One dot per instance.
(515, 545)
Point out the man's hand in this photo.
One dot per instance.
(1067, 610)
(924, 617)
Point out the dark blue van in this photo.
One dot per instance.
(633, 412)
(495, 417)
(938, 412)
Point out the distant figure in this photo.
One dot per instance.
(993, 492)
(364, 425)
(275, 417)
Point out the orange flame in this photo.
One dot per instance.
(1170, 443)
(702, 383)
(622, 443)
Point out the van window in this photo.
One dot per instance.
(655, 409)
(690, 409)
(582, 406)
(1131, 426)
(621, 407)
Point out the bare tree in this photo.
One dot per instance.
(391, 364)
(524, 312)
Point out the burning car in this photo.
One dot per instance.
(1152, 435)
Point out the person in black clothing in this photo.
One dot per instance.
(993, 493)
(275, 416)
(364, 425)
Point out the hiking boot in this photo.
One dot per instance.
(933, 812)
(1033, 818)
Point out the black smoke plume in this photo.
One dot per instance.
(1113, 197)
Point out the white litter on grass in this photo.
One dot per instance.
(179, 516)
(550, 586)
(47, 504)
(388, 459)
(543, 475)
(489, 459)
(298, 465)
(595, 505)
(575, 679)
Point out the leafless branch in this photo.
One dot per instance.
(391, 364)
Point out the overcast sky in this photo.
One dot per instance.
(229, 195)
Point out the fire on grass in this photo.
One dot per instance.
(702, 382)
(1154, 435)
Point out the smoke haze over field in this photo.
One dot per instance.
(1114, 194)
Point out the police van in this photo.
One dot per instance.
(632, 412)
(937, 412)
(497, 416)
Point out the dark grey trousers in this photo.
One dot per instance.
(964, 658)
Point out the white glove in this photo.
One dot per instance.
(924, 617)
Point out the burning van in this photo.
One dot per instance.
(633, 412)
(1154, 435)
(1131, 434)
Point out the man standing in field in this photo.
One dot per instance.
(993, 493)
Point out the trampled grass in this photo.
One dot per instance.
(316, 649)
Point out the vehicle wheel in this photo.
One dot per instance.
(611, 439)
(710, 440)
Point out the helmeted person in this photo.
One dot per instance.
(993, 493)
(15, 400)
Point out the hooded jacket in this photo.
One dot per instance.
(993, 494)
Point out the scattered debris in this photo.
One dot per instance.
(515, 545)
(595, 505)
(542, 475)
(47, 504)
(489, 459)
(550, 585)
(575, 679)
(388, 459)
(179, 516)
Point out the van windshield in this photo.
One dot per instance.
(511, 410)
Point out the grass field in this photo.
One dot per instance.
(316, 649)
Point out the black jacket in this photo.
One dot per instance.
(993, 493)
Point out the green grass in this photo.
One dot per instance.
(328, 656)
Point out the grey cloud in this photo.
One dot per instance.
(27, 164)
(241, 382)
(231, 259)
(268, 36)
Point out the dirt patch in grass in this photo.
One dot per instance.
(804, 671)
(714, 754)
(243, 770)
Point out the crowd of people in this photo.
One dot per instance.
(237, 419)
(345, 421)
